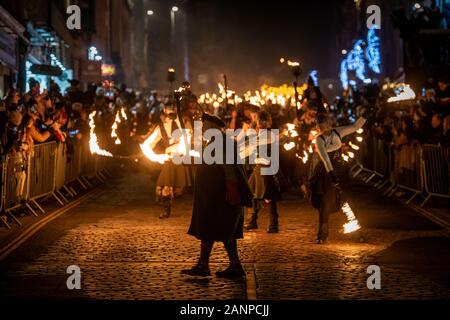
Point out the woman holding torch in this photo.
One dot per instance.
(328, 168)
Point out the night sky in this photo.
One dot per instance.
(253, 35)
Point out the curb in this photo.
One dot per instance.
(31, 230)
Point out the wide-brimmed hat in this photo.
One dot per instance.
(213, 119)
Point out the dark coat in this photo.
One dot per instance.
(213, 218)
(324, 196)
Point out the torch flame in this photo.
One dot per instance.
(289, 146)
(114, 128)
(352, 225)
(149, 153)
(354, 146)
(123, 113)
(93, 142)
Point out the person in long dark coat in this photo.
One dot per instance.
(220, 194)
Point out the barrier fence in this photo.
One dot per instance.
(418, 169)
(50, 170)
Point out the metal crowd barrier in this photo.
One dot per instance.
(436, 171)
(46, 172)
(374, 159)
(421, 170)
(407, 173)
(3, 190)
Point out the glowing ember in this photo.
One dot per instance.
(352, 225)
(354, 146)
(123, 113)
(93, 142)
(305, 157)
(114, 128)
(289, 146)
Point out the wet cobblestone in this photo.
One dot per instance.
(129, 253)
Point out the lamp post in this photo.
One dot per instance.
(173, 11)
(171, 79)
(296, 71)
(148, 44)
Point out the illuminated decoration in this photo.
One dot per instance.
(93, 54)
(343, 74)
(314, 77)
(403, 93)
(373, 52)
(108, 70)
(39, 78)
(55, 61)
(355, 60)
(359, 60)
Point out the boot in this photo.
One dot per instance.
(322, 235)
(167, 203)
(235, 269)
(202, 266)
(273, 227)
(252, 223)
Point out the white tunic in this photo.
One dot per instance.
(333, 142)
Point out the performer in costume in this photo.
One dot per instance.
(173, 178)
(264, 187)
(328, 169)
(220, 194)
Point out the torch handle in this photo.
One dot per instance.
(180, 118)
(296, 98)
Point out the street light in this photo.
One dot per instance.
(150, 12)
(172, 33)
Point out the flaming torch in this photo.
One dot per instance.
(352, 225)
(93, 142)
(114, 128)
(148, 151)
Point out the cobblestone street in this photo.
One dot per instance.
(126, 252)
